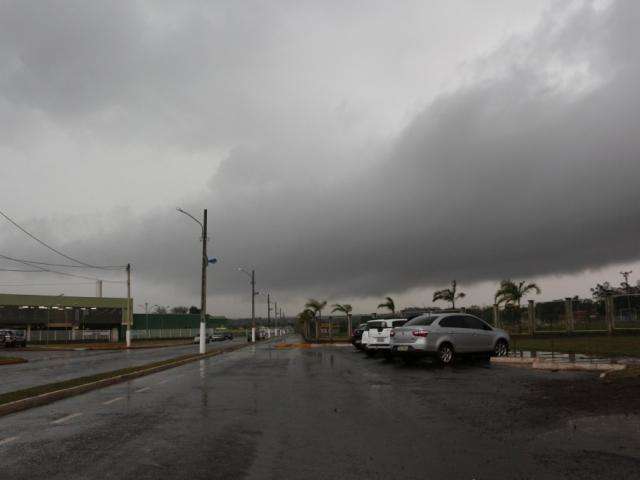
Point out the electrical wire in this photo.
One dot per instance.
(42, 269)
(44, 243)
(66, 265)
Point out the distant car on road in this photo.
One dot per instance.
(13, 338)
(228, 335)
(447, 335)
(217, 337)
(377, 337)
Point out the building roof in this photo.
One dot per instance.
(7, 299)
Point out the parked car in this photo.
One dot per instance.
(13, 338)
(377, 337)
(356, 338)
(447, 335)
(227, 336)
(217, 337)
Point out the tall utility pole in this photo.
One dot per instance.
(129, 315)
(253, 306)
(146, 316)
(203, 293)
(269, 312)
(275, 314)
(99, 288)
(625, 275)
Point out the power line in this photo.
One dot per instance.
(42, 269)
(66, 265)
(43, 284)
(45, 244)
(18, 270)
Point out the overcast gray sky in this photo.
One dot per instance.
(346, 150)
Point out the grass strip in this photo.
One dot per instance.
(59, 390)
(12, 360)
(610, 346)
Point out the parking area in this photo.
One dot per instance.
(332, 412)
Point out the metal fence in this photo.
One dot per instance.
(158, 333)
(52, 336)
(551, 316)
(589, 315)
(626, 311)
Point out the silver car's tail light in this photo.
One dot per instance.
(420, 333)
(392, 333)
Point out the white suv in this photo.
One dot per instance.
(377, 337)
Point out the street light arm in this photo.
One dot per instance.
(240, 269)
(191, 217)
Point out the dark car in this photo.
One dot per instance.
(13, 338)
(228, 335)
(356, 338)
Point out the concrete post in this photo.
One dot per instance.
(568, 312)
(531, 314)
(608, 309)
(29, 333)
(496, 316)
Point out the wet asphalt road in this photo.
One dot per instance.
(318, 413)
(51, 366)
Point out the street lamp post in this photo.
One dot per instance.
(269, 313)
(252, 276)
(203, 285)
(275, 314)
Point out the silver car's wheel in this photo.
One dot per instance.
(502, 349)
(445, 354)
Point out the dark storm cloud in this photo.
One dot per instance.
(531, 168)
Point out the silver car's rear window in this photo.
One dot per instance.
(421, 321)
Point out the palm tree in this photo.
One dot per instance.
(346, 309)
(305, 316)
(316, 307)
(512, 293)
(449, 294)
(389, 304)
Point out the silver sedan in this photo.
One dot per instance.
(445, 335)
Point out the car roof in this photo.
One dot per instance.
(387, 320)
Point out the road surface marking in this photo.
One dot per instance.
(140, 390)
(8, 440)
(163, 381)
(64, 419)
(113, 400)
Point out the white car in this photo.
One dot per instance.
(377, 337)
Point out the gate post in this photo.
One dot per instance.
(531, 314)
(608, 309)
(496, 315)
(568, 312)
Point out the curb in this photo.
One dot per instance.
(587, 367)
(555, 366)
(50, 397)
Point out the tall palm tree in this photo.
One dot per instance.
(512, 293)
(346, 309)
(316, 307)
(449, 294)
(389, 304)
